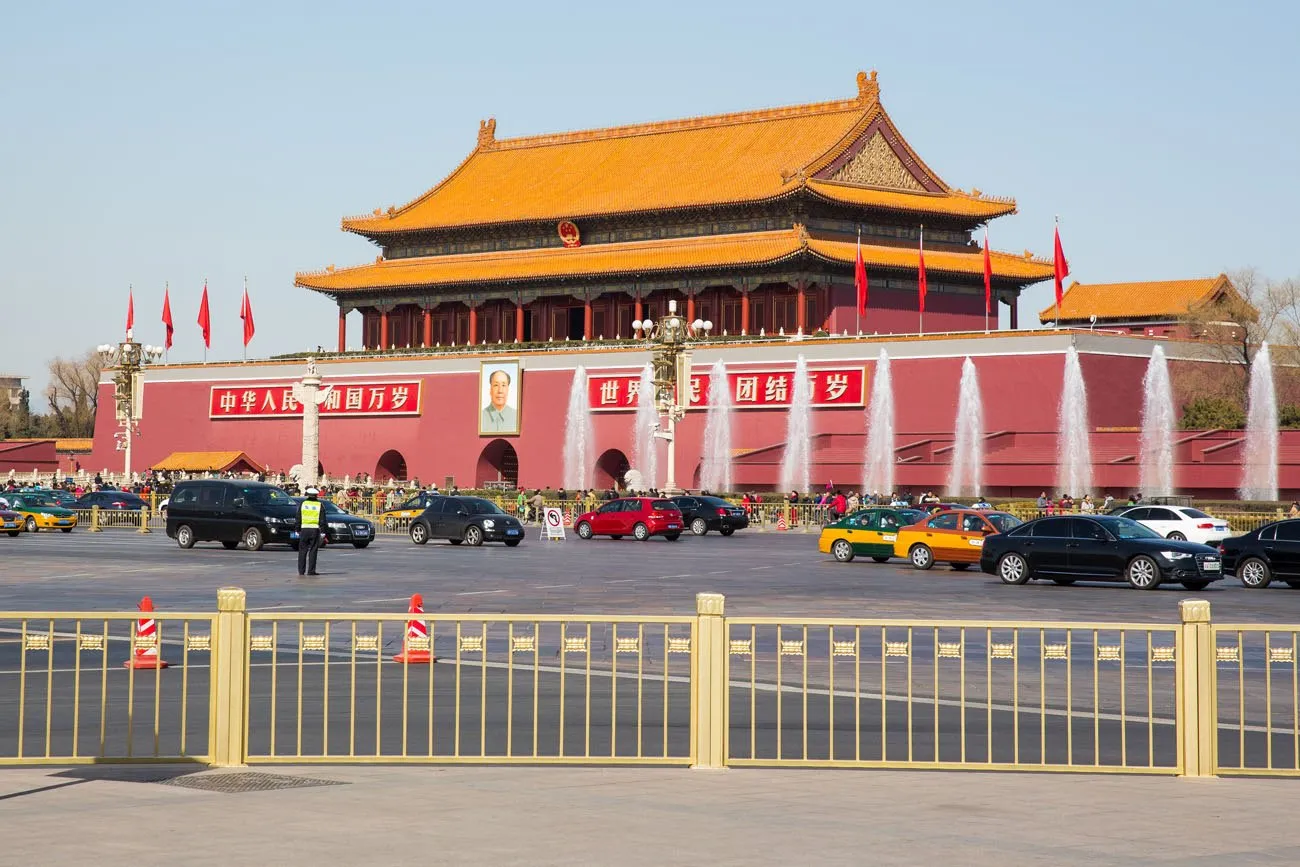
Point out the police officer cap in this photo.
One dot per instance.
(311, 492)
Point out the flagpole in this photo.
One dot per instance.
(167, 351)
(1057, 218)
(920, 312)
(857, 304)
(245, 301)
(987, 296)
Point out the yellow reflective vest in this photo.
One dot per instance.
(309, 515)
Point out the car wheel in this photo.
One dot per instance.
(1176, 537)
(1255, 574)
(921, 556)
(584, 531)
(881, 559)
(699, 526)
(842, 551)
(253, 539)
(1013, 569)
(672, 537)
(1064, 582)
(229, 546)
(473, 536)
(727, 531)
(419, 533)
(30, 525)
(360, 544)
(1143, 573)
(513, 543)
(185, 536)
(960, 567)
(1196, 584)
(641, 532)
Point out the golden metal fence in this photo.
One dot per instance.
(69, 695)
(1257, 690)
(536, 689)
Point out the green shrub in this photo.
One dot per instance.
(1205, 413)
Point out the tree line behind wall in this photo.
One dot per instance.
(68, 408)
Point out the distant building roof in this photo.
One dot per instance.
(208, 462)
(1160, 299)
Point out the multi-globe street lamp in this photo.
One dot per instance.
(130, 359)
(672, 376)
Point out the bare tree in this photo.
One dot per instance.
(73, 394)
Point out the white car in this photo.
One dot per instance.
(1180, 522)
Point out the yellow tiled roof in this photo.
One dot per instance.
(721, 159)
(203, 462)
(1082, 301)
(74, 446)
(649, 257)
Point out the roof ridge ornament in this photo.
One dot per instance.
(487, 132)
(868, 87)
(801, 232)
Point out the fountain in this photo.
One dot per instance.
(879, 474)
(1259, 475)
(645, 450)
(1156, 449)
(1074, 458)
(579, 438)
(968, 445)
(795, 464)
(715, 468)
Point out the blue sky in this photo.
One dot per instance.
(146, 142)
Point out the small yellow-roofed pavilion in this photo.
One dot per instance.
(1154, 307)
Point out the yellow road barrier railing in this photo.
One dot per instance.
(1192, 698)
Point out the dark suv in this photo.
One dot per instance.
(471, 520)
(704, 513)
(230, 512)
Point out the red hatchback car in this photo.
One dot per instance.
(638, 517)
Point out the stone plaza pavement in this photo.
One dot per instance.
(633, 816)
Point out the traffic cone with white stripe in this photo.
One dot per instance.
(415, 643)
(146, 644)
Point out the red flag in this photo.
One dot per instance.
(860, 278)
(920, 275)
(988, 276)
(205, 320)
(167, 317)
(1062, 268)
(130, 310)
(246, 314)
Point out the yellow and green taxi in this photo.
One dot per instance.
(408, 510)
(870, 532)
(953, 536)
(39, 511)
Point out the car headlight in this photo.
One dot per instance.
(488, 524)
(275, 520)
(1175, 555)
(338, 526)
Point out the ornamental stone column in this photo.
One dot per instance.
(310, 395)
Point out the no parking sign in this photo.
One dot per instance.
(553, 524)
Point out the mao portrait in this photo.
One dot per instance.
(499, 393)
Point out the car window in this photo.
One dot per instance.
(1137, 514)
(616, 506)
(662, 504)
(1082, 528)
(972, 524)
(212, 496)
(479, 506)
(1003, 521)
(686, 503)
(1127, 528)
(1288, 531)
(1162, 515)
(1194, 513)
(867, 520)
(413, 503)
(944, 522)
(910, 516)
(1267, 534)
(713, 501)
(267, 497)
(1056, 528)
(184, 496)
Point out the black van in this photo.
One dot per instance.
(230, 512)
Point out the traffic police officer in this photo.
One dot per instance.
(309, 516)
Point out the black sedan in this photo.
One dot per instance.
(1272, 551)
(116, 500)
(1101, 548)
(706, 513)
(340, 525)
(471, 520)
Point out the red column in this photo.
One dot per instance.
(519, 322)
(428, 326)
(801, 314)
(690, 307)
(637, 313)
(825, 292)
(383, 329)
(744, 312)
(1015, 312)
(586, 319)
(473, 326)
(343, 330)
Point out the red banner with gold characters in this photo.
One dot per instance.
(749, 389)
(344, 399)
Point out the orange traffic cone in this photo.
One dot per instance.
(146, 641)
(415, 644)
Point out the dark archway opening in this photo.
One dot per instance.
(498, 463)
(611, 467)
(577, 323)
(391, 466)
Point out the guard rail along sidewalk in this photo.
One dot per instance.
(709, 690)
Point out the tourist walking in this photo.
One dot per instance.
(309, 514)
